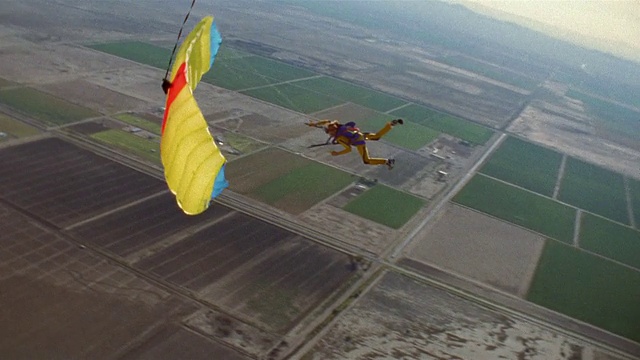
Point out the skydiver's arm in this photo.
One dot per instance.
(347, 148)
(318, 123)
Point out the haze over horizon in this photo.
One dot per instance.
(609, 26)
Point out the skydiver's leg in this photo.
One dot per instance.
(383, 131)
(379, 134)
(362, 149)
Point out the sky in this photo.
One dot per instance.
(609, 25)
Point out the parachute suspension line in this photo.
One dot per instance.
(178, 40)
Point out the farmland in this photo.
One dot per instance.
(517, 206)
(46, 108)
(610, 240)
(585, 286)
(525, 164)
(144, 148)
(15, 128)
(445, 123)
(385, 206)
(605, 189)
(308, 255)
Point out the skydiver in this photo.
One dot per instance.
(349, 135)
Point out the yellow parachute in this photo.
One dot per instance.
(193, 164)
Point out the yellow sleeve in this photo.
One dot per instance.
(318, 123)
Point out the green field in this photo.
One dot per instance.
(270, 68)
(447, 124)
(610, 240)
(634, 189)
(44, 107)
(588, 288)
(226, 53)
(143, 148)
(614, 118)
(226, 76)
(520, 207)
(409, 136)
(140, 123)
(353, 93)
(386, 206)
(594, 189)
(524, 164)
(302, 187)
(294, 98)
(137, 51)
(15, 128)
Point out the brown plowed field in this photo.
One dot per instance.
(59, 182)
(116, 258)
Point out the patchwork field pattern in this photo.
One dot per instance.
(496, 198)
(180, 253)
(524, 164)
(48, 109)
(611, 240)
(304, 91)
(293, 183)
(589, 288)
(91, 222)
(445, 123)
(610, 247)
(594, 189)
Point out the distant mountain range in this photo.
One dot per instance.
(615, 48)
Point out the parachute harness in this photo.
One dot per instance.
(165, 81)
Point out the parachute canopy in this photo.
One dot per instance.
(193, 164)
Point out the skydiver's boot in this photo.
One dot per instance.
(396, 122)
(390, 163)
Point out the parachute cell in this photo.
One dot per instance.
(193, 164)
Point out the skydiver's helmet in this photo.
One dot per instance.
(332, 128)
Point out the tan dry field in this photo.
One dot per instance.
(358, 232)
(400, 318)
(252, 117)
(457, 71)
(41, 63)
(479, 247)
(141, 82)
(346, 112)
(96, 97)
